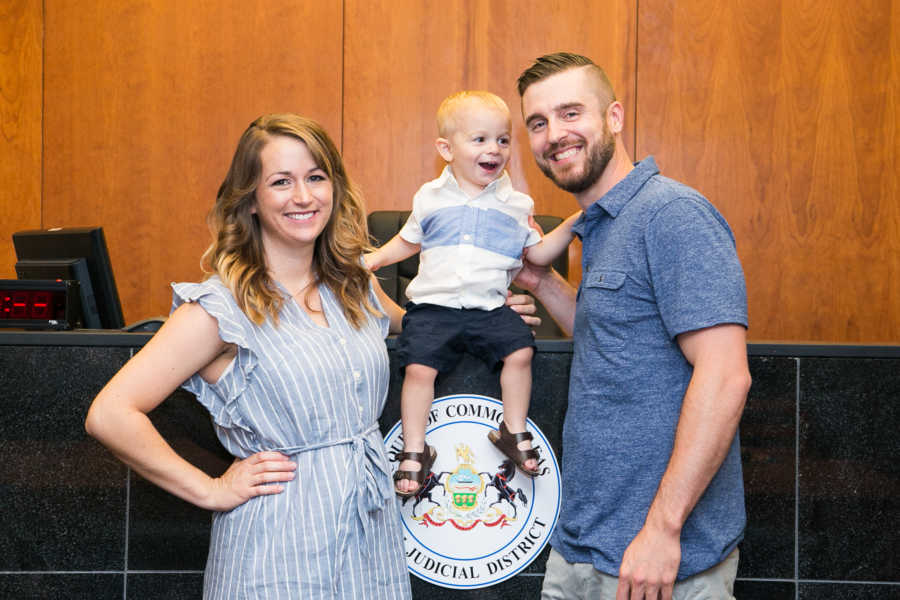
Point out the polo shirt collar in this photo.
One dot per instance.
(501, 187)
(616, 198)
(613, 201)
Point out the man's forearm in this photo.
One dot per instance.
(710, 413)
(558, 297)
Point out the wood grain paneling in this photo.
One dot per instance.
(785, 115)
(20, 124)
(144, 103)
(403, 57)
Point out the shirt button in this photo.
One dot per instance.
(343, 341)
(356, 375)
(467, 237)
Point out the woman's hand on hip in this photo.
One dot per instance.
(258, 474)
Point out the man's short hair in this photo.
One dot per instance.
(551, 64)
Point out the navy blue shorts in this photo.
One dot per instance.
(436, 336)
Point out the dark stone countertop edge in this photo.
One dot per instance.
(75, 337)
(98, 337)
(820, 350)
(110, 338)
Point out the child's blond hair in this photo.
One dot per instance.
(452, 104)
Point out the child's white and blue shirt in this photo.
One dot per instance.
(471, 247)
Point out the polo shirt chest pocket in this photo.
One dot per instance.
(604, 303)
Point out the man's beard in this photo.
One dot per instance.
(599, 157)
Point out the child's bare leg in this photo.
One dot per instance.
(416, 397)
(515, 384)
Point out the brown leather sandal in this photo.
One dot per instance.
(426, 459)
(508, 442)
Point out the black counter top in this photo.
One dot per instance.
(107, 337)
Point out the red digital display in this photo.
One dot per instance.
(32, 304)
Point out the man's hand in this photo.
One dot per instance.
(530, 276)
(649, 565)
(525, 306)
(371, 260)
(554, 292)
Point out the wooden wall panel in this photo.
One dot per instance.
(785, 115)
(144, 103)
(20, 124)
(403, 57)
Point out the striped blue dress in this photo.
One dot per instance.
(315, 394)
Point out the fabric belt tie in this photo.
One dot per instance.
(365, 468)
(369, 484)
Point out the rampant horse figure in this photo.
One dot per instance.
(432, 481)
(500, 482)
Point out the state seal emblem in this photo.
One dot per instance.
(477, 520)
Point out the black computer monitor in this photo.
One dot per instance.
(73, 252)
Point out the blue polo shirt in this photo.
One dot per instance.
(658, 260)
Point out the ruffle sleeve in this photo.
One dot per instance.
(221, 398)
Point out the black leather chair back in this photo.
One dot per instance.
(384, 224)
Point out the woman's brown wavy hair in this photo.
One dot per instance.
(236, 254)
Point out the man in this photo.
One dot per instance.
(652, 488)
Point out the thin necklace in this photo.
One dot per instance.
(303, 287)
(305, 303)
(310, 278)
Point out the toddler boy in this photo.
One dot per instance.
(471, 228)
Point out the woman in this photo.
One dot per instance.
(284, 345)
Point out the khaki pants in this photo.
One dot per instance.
(571, 581)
